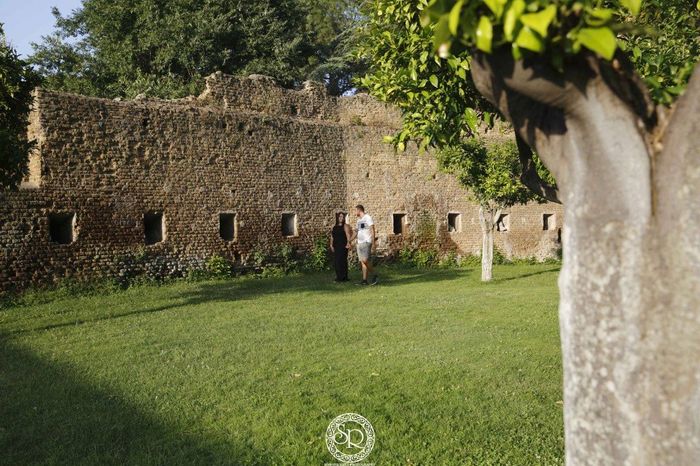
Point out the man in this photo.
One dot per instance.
(366, 238)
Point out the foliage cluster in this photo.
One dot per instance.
(490, 172)
(438, 99)
(17, 81)
(115, 48)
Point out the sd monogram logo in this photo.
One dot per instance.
(350, 438)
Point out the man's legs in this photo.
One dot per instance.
(366, 268)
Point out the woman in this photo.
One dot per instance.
(340, 242)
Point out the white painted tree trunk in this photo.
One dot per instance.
(630, 281)
(488, 216)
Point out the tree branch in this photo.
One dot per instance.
(529, 176)
(622, 78)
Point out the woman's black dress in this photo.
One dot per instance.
(340, 256)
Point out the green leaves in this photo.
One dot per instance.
(512, 15)
(17, 80)
(472, 119)
(599, 40)
(454, 17)
(489, 171)
(539, 22)
(634, 5)
(556, 28)
(528, 39)
(496, 6)
(484, 34)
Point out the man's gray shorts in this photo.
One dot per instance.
(363, 251)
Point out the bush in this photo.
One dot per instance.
(218, 267)
(472, 260)
(420, 258)
(318, 259)
(425, 258)
(272, 271)
(405, 257)
(448, 261)
(287, 259)
(499, 258)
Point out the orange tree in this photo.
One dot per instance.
(606, 95)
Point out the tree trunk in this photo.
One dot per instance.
(630, 281)
(488, 216)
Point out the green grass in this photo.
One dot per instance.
(248, 371)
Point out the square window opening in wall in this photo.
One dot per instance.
(228, 228)
(289, 224)
(503, 222)
(399, 222)
(549, 222)
(62, 227)
(153, 227)
(454, 222)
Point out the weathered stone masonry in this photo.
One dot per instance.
(233, 162)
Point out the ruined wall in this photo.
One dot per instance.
(388, 183)
(244, 147)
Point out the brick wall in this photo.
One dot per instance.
(245, 146)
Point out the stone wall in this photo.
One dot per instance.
(244, 147)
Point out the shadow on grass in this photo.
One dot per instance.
(526, 275)
(251, 288)
(48, 415)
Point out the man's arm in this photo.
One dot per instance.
(374, 237)
(348, 234)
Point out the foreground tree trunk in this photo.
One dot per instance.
(629, 178)
(488, 216)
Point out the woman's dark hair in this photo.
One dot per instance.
(342, 215)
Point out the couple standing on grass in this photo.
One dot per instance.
(343, 236)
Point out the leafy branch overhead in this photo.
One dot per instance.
(435, 92)
(660, 36)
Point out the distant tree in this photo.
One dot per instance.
(490, 171)
(333, 24)
(16, 83)
(164, 48)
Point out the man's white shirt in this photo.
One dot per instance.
(364, 229)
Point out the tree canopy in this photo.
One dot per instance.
(16, 84)
(163, 48)
(488, 170)
(439, 100)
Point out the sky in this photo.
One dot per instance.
(25, 21)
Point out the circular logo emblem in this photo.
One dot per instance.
(350, 438)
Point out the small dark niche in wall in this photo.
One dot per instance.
(289, 224)
(399, 223)
(454, 222)
(548, 222)
(62, 227)
(153, 228)
(227, 226)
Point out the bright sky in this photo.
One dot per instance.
(25, 21)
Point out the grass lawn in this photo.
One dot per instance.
(251, 371)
